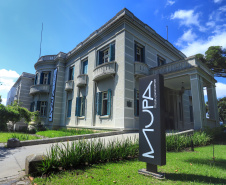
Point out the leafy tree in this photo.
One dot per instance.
(221, 104)
(0, 99)
(215, 59)
(13, 113)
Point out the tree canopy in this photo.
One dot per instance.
(0, 99)
(215, 59)
(221, 104)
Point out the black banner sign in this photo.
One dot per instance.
(152, 145)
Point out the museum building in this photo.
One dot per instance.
(96, 85)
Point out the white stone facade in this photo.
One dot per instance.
(97, 83)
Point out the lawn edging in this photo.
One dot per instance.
(69, 138)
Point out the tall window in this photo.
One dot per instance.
(136, 102)
(85, 67)
(69, 108)
(161, 61)
(45, 77)
(42, 107)
(71, 73)
(80, 106)
(103, 103)
(139, 53)
(107, 54)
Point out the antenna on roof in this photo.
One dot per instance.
(41, 43)
(167, 32)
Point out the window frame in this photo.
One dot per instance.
(71, 73)
(142, 53)
(109, 57)
(161, 61)
(80, 109)
(85, 71)
(100, 109)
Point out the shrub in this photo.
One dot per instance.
(180, 142)
(13, 113)
(83, 152)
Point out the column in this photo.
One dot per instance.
(198, 101)
(212, 102)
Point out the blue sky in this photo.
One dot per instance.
(193, 26)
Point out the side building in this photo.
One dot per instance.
(20, 92)
(96, 85)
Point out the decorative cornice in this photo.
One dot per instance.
(124, 13)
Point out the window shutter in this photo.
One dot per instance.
(109, 102)
(135, 102)
(49, 77)
(69, 109)
(41, 78)
(112, 52)
(98, 103)
(135, 51)
(158, 60)
(36, 77)
(84, 105)
(100, 57)
(143, 55)
(38, 105)
(72, 75)
(78, 106)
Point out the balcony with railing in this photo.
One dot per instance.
(82, 80)
(104, 70)
(140, 69)
(47, 57)
(69, 85)
(190, 62)
(40, 88)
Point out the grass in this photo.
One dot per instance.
(181, 168)
(65, 132)
(4, 136)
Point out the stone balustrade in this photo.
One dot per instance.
(141, 69)
(69, 85)
(82, 80)
(40, 88)
(104, 70)
(181, 65)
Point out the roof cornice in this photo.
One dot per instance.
(124, 13)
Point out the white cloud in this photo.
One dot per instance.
(221, 90)
(4, 101)
(170, 3)
(8, 73)
(217, 1)
(188, 18)
(200, 45)
(210, 24)
(7, 79)
(188, 37)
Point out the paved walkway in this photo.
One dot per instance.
(12, 161)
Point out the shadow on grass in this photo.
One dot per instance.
(194, 178)
(219, 163)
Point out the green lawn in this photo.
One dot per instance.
(65, 132)
(181, 168)
(4, 136)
